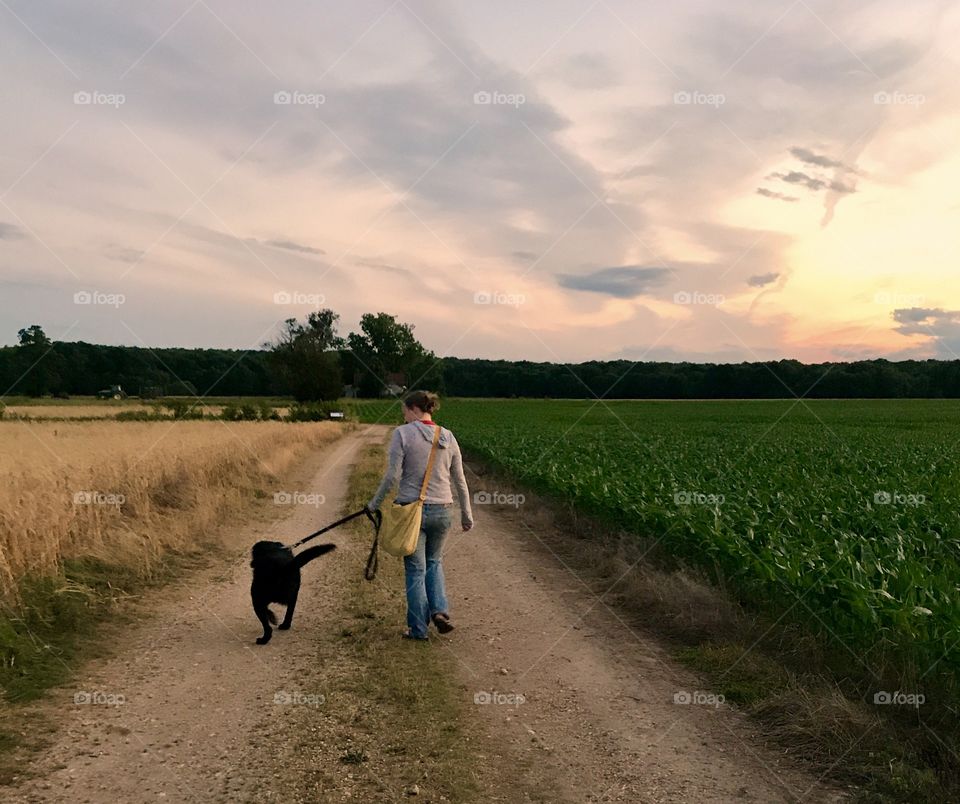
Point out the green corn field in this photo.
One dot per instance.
(844, 516)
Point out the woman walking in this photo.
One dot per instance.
(407, 462)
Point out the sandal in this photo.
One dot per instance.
(408, 635)
(442, 622)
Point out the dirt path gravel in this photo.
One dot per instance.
(604, 707)
(597, 717)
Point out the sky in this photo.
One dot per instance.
(560, 181)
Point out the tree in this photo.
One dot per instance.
(386, 346)
(305, 357)
(36, 363)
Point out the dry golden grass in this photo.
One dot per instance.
(170, 482)
(102, 411)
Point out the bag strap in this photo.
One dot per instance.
(426, 475)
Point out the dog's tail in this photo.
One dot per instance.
(271, 617)
(312, 552)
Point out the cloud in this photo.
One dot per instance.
(622, 282)
(941, 326)
(493, 187)
(811, 158)
(835, 188)
(289, 245)
(10, 232)
(587, 71)
(917, 319)
(760, 280)
(123, 254)
(812, 182)
(773, 194)
(379, 265)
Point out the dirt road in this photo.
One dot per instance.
(187, 707)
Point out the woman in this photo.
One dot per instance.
(409, 450)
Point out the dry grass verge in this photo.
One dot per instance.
(68, 563)
(117, 492)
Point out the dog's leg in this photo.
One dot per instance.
(262, 610)
(288, 617)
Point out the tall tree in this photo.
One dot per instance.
(306, 359)
(37, 365)
(386, 346)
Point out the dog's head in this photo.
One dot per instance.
(266, 553)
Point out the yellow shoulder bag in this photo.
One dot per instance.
(401, 523)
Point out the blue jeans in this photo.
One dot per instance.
(426, 594)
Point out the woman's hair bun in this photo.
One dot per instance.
(427, 401)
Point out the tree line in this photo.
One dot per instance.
(309, 360)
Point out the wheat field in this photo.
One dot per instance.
(92, 411)
(128, 492)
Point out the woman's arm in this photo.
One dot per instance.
(392, 475)
(463, 493)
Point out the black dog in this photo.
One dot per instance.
(276, 579)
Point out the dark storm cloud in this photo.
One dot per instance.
(622, 282)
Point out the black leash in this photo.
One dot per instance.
(375, 517)
(370, 571)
